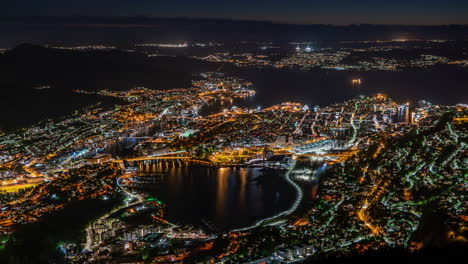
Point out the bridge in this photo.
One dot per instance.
(255, 160)
(162, 156)
(153, 158)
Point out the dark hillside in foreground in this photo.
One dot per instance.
(27, 67)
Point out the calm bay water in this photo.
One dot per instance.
(446, 85)
(224, 197)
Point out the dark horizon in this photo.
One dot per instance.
(128, 30)
(112, 19)
(342, 12)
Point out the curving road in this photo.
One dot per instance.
(289, 211)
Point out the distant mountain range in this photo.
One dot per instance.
(170, 20)
(129, 30)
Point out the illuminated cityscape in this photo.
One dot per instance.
(232, 139)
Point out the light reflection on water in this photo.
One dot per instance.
(226, 197)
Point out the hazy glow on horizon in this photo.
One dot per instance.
(292, 11)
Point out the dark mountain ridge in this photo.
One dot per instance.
(27, 67)
(126, 31)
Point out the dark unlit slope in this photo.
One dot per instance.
(28, 66)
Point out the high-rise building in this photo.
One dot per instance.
(413, 119)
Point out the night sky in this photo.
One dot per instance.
(425, 12)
